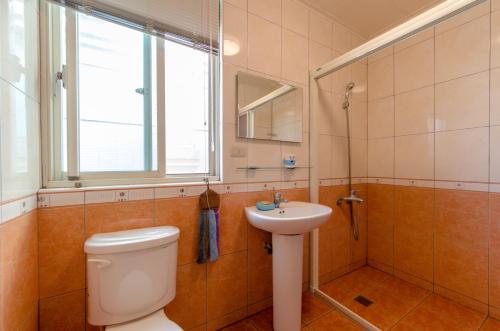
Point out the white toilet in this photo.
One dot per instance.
(131, 276)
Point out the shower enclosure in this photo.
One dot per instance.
(380, 113)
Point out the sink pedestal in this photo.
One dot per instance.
(287, 281)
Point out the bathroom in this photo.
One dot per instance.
(156, 118)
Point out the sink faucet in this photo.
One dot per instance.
(277, 197)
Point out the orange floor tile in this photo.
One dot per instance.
(316, 315)
(397, 305)
(392, 297)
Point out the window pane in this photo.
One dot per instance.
(186, 109)
(112, 91)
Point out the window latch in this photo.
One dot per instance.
(62, 76)
(140, 90)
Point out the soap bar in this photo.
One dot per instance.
(265, 205)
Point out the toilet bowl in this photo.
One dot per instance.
(131, 276)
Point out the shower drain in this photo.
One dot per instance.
(362, 300)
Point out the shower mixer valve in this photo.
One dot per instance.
(352, 198)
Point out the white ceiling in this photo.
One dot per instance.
(372, 17)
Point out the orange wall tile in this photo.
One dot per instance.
(461, 242)
(358, 247)
(108, 217)
(61, 234)
(381, 224)
(227, 275)
(259, 261)
(189, 308)
(183, 213)
(414, 232)
(217, 293)
(63, 312)
(233, 223)
(494, 259)
(18, 272)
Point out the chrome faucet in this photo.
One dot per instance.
(350, 199)
(277, 199)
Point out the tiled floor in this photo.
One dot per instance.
(316, 315)
(397, 305)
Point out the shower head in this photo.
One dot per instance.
(349, 86)
(348, 90)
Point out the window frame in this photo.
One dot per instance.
(53, 177)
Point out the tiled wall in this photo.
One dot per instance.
(208, 296)
(277, 39)
(19, 157)
(433, 158)
(281, 40)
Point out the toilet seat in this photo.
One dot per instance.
(157, 321)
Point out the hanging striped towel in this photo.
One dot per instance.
(208, 241)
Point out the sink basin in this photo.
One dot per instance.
(291, 218)
(288, 225)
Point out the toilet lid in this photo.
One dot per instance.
(154, 322)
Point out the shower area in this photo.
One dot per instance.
(406, 147)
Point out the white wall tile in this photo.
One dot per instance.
(296, 17)
(381, 118)
(463, 50)
(381, 157)
(463, 103)
(20, 160)
(342, 40)
(340, 165)
(141, 194)
(238, 3)
(295, 57)
(320, 28)
(358, 118)
(65, 199)
(495, 97)
(264, 46)
(495, 154)
(325, 156)
(414, 111)
(495, 39)
(462, 155)
(414, 156)
(340, 79)
(19, 45)
(415, 39)
(495, 5)
(235, 31)
(319, 55)
(267, 9)
(464, 17)
(99, 196)
(359, 155)
(381, 78)
(414, 67)
(235, 155)
(325, 110)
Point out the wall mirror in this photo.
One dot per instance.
(268, 109)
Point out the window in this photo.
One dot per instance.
(125, 105)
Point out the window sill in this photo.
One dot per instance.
(66, 186)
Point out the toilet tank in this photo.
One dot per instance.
(130, 274)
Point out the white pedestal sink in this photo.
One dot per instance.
(288, 225)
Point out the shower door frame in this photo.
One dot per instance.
(420, 22)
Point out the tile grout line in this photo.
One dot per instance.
(411, 310)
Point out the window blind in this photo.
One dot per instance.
(193, 23)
